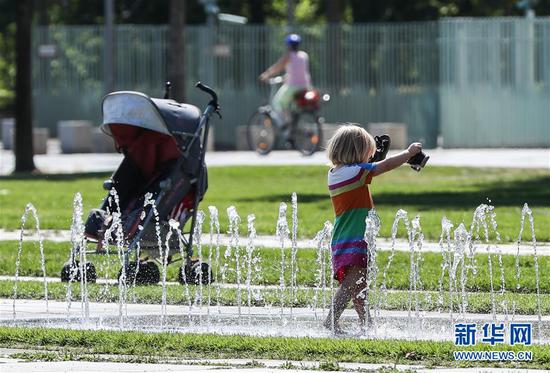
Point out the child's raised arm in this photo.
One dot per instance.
(397, 160)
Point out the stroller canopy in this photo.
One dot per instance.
(147, 130)
(136, 109)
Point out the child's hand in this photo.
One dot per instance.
(397, 160)
(414, 148)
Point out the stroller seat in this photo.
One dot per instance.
(150, 150)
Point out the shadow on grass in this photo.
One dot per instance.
(534, 191)
(55, 177)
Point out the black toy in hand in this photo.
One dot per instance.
(382, 147)
(418, 161)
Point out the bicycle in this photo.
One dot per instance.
(301, 130)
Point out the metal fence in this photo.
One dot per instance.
(471, 83)
(495, 82)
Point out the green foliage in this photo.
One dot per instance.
(7, 67)
(421, 10)
(305, 11)
(79, 55)
(7, 14)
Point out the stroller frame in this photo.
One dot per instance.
(211, 107)
(72, 271)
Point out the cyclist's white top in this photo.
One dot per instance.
(297, 69)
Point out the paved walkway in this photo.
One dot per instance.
(9, 365)
(384, 244)
(53, 162)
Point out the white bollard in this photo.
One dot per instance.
(75, 136)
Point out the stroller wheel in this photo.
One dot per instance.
(148, 273)
(71, 272)
(194, 274)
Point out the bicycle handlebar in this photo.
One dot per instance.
(275, 80)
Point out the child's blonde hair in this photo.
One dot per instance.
(350, 144)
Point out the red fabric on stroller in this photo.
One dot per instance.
(149, 150)
(152, 152)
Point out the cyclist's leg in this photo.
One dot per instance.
(283, 98)
(276, 100)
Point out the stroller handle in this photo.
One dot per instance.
(208, 90)
(213, 105)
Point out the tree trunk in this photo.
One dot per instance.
(23, 89)
(257, 12)
(290, 16)
(41, 7)
(334, 42)
(176, 49)
(109, 46)
(261, 39)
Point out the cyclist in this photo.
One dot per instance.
(297, 78)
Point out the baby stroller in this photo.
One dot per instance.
(155, 190)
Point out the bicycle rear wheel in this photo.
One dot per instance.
(261, 133)
(307, 133)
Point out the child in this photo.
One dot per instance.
(349, 151)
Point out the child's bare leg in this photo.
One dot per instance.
(346, 291)
(341, 299)
(359, 305)
(360, 296)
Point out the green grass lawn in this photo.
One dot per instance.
(144, 346)
(433, 193)
(524, 304)
(270, 259)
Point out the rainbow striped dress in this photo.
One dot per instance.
(351, 199)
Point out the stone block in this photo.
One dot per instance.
(241, 138)
(396, 131)
(210, 141)
(40, 140)
(75, 136)
(327, 131)
(102, 143)
(8, 125)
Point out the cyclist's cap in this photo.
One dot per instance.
(293, 39)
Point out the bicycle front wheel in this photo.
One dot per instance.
(261, 133)
(307, 133)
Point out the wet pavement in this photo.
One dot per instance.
(272, 320)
